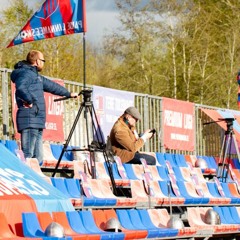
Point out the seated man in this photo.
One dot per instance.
(125, 141)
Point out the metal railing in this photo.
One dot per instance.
(207, 138)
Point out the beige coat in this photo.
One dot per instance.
(123, 140)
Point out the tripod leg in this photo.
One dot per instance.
(68, 140)
(226, 148)
(236, 146)
(220, 163)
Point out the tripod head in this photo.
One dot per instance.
(87, 94)
(229, 122)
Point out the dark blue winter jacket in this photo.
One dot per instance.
(30, 88)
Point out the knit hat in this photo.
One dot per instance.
(133, 112)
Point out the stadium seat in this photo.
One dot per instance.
(75, 190)
(140, 195)
(214, 192)
(59, 183)
(12, 146)
(130, 172)
(233, 188)
(169, 195)
(76, 224)
(184, 172)
(171, 159)
(234, 214)
(61, 218)
(163, 173)
(180, 160)
(102, 173)
(160, 218)
(5, 231)
(32, 228)
(96, 191)
(228, 194)
(81, 167)
(101, 221)
(57, 150)
(226, 218)
(120, 180)
(154, 172)
(160, 158)
(148, 223)
(153, 231)
(90, 225)
(126, 222)
(130, 234)
(48, 159)
(188, 191)
(195, 219)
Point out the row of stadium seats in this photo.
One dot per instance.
(130, 224)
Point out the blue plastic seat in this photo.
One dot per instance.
(227, 215)
(74, 189)
(153, 232)
(166, 190)
(57, 150)
(214, 192)
(12, 146)
(170, 157)
(160, 158)
(225, 219)
(76, 224)
(162, 171)
(178, 174)
(188, 198)
(126, 222)
(60, 185)
(90, 225)
(234, 214)
(228, 194)
(130, 173)
(146, 220)
(32, 228)
(180, 160)
(236, 163)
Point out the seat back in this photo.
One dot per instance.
(31, 226)
(5, 231)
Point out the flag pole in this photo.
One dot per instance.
(84, 60)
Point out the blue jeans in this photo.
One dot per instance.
(31, 143)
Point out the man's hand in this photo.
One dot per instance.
(27, 105)
(74, 95)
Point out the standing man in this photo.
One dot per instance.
(31, 114)
(125, 141)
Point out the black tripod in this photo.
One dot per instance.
(225, 155)
(88, 107)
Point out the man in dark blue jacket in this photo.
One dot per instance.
(31, 114)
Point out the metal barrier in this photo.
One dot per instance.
(207, 139)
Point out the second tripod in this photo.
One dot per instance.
(226, 150)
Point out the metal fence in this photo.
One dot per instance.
(207, 138)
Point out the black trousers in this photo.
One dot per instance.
(149, 159)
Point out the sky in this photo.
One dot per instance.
(101, 17)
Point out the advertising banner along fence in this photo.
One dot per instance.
(178, 124)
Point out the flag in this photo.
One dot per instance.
(55, 18)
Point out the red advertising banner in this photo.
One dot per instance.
(178, 124)
(54, 116)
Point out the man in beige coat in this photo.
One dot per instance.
(125, 141)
